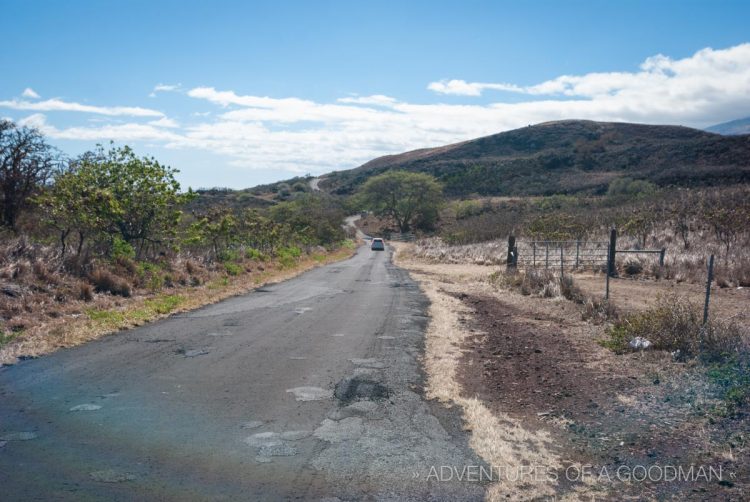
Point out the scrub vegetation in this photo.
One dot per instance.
(81, 235)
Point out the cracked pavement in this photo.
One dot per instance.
(307, 389)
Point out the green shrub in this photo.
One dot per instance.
(233, 268)
(228, 255)
(255, 255)
(121, 249)
(733, 381)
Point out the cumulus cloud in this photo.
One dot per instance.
(707, 73)
(301, 135)
(30, 93)
(56, 104)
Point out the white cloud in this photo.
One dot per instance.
(464, 88)
(706, 74)
(30, 93)
(376, 100)
(56, 104)
(301, 135)
(165, 122)
(164, 88)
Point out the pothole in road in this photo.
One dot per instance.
(192, 352)
(310, 393)
(342, 430)
(86, 407)
(294, 435)
(359, 387)
(262, 439)
(111, 476)
(369, 363)
(277, 450)
(252, 424)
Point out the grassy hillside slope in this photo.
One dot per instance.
(572, 156)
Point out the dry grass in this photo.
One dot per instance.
(675, 324)
(502, 441)
(88, 316)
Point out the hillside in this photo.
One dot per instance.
(739, 126)
(571, 156)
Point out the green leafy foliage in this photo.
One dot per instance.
(113, 194)
(411, 199)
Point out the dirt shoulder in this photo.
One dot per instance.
(85, 321)
(555, 399)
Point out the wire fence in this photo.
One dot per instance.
(561, 254)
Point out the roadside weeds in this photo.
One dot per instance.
(93, 323)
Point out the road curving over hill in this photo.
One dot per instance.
(308, 389)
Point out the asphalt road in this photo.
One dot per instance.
(309, 389)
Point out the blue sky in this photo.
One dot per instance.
(240, 93)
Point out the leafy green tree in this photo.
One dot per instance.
(113, 193)
(411, 199)
(71, 205)
(218, 228)
(313, 218)
(26, 164)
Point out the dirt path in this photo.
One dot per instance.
(556, 400)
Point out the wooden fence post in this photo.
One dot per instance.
(606, 287)
(546, 256)
(533, 250)
(578, 250)
(611, 269)
(708, 288)
(510, 261)
(562, 261)
(661, 256)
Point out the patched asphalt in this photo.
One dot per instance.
(309, 389)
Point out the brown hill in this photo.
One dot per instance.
(568, 156)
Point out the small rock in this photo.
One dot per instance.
(639, 343)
